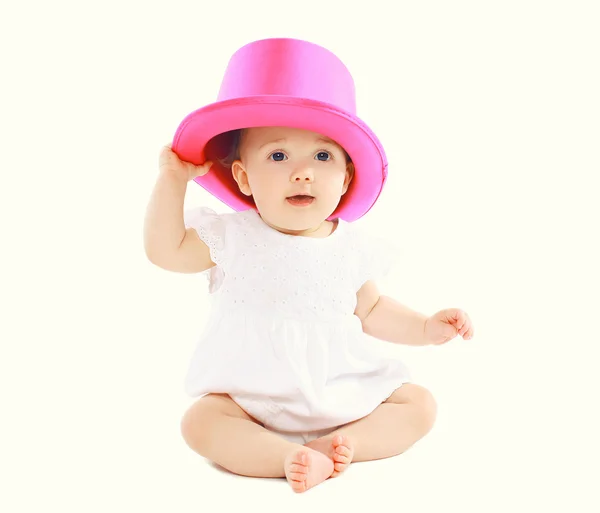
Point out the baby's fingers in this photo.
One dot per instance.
(464, 328)
(167, 155)
(467, 330)
(202, 169)
(470, 332)
(456, 317)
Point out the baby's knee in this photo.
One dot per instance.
(196, 423)
(423, 402)
(427, 405)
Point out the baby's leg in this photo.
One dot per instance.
(218, 429)
(394, 426)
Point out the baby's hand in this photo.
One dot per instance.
(169, 162)
(447, 324)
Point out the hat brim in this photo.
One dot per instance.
(364, 148)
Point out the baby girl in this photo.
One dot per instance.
(286, 381)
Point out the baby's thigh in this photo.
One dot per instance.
(414, 394)
(209, 407)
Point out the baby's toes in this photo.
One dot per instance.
(297, 472)
(343, 446)
(298, 486)
(296, 468)
(339, 458)
(338, 468)
(342, 454)
(298, 477)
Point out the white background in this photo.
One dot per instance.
(489, 112)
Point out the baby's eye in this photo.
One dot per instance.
(323, 156)
(277, 156)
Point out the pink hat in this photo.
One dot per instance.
(293, 83)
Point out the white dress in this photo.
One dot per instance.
(282, 339)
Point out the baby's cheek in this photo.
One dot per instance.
(267, 186)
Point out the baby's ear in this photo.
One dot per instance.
(349, 177)
(241, 177)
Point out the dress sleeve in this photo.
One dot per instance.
(379, 257)
(210, 227)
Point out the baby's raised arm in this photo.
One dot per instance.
(167, 243)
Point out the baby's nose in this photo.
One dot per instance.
(303, 174)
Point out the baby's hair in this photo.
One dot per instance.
(224, 148)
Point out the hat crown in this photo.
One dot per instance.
(290, 68)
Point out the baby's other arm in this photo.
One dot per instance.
(384, 318)
(167, 243)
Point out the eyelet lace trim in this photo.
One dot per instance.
(210, 229)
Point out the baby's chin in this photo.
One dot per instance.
(295, 222)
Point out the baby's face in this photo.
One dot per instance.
(296, 177)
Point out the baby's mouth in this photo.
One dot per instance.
(300, 200)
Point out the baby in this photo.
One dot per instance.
(288, 385)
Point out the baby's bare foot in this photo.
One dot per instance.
(305, 468)
(339, 449)
(343, 452)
